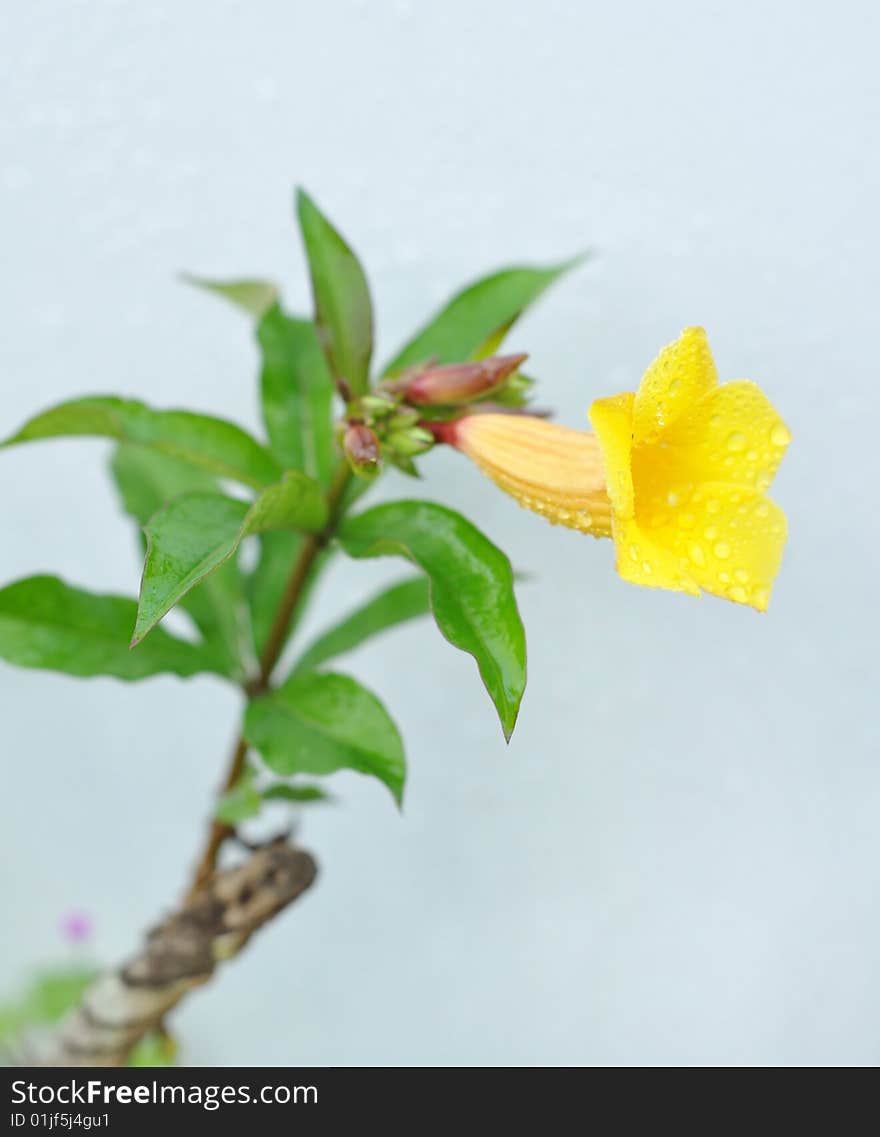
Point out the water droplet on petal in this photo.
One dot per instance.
(780, 435)
(742, 576)
(711, 532)
(634, 553)
(695, 552)
(646, 568)
(739, 594)
(736, 441)
(672, 498)
(722, 550)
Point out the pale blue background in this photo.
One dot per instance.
(677, 860)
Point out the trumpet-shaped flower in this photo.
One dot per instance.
(676, 473)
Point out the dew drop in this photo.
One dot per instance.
(724, 577)
(711, 532)
(647, 568)
(742, 576)
(762, 597)
(634, 553)
(762, 510)
(695, 552)
(672, 498)
(736, 441)
(780, 435)
(739, 594)
(712, 506)
(721, 550)
(752, 455)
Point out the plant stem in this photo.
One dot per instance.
(291, 599)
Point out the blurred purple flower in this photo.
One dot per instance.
(75, 926)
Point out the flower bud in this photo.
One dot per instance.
(378, 405)
(361, 447)
(413, 440)
(460, 382)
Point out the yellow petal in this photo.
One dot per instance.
(727, 539)
(734, 434)
(681, 374)
(612, 420)
(641, 560)
(552, 470)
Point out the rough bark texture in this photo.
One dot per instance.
(182, 952)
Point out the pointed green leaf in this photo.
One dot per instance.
(318, 723)
(471, 587)
(395, 605)
(49, 624)
(213, 444)
(297, 395)
(475, 321)
(256, 297)
(147, 480)
(195, 534)
(343, 311)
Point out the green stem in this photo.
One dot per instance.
(287, 608)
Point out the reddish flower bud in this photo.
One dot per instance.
(361, 447)
(460, 382)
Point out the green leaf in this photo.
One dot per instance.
(266, 584)
(343, 311)
(48, 997)
(254, 296)
(238, 804)
(147, 480)
(47, 623)
(395, 605)
(318, 723)
(154, 1050)
(297, 395)
(53, 993)
(213, 444)
(245, 799)
(471, 587)
(195, 534)
(475, 321)
(298, 794)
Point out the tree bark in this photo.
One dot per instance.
(213, 924)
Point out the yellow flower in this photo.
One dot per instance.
(675, 473)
